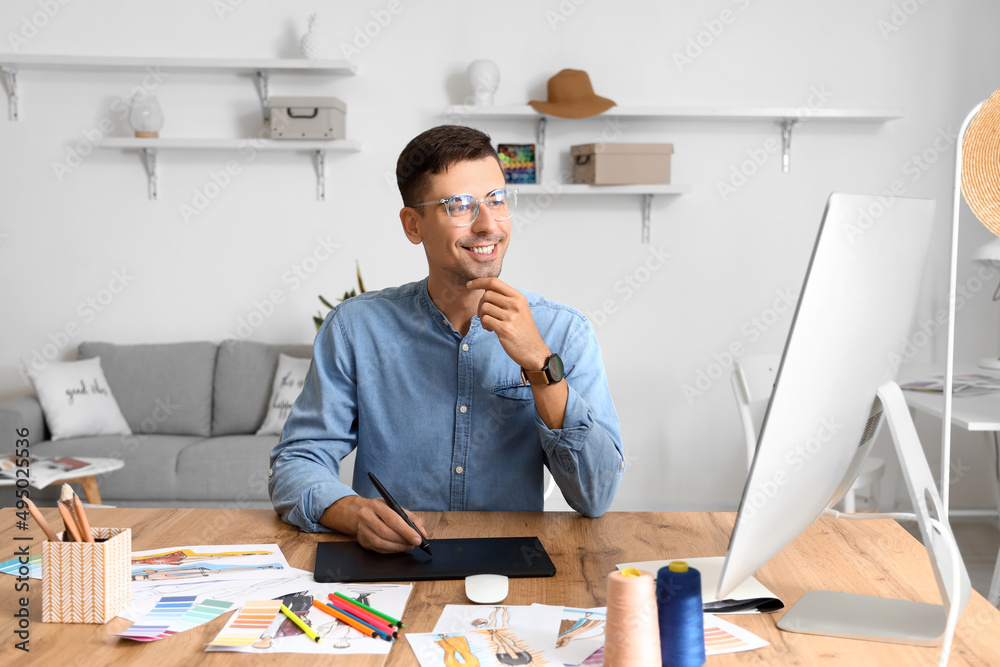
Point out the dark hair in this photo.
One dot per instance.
(433, 151)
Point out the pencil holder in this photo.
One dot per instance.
(87, 582)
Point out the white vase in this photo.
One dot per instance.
(145, 116)
(313, 45)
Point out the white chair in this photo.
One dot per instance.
(753, 379)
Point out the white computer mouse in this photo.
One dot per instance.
(486, 588)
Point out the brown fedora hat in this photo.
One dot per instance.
(981, 164)
(572, 96)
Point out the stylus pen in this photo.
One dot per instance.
(424, 544)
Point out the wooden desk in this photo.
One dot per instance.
(874, 557)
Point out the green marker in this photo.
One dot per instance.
(387, 617)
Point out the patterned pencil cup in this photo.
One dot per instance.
(84, 582)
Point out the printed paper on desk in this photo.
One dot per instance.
(207, 561)
(581, 634)
(750, 597)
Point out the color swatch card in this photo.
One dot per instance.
(197, 563)
(175, 614)
(32, 569)
(724, 637)
(249, 625)
(490, 634)
(255, 629)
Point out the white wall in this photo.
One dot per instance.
(64, 235)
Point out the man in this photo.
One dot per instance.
(425, 380)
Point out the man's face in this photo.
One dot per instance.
(452, 250)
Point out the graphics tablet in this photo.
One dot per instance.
(452, 559)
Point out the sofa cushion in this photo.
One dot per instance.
(231, 468)
(244, 372)
(150, 471)
(78, 401)
(162, 388)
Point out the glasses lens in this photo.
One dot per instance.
(501, 203)
(462, 209)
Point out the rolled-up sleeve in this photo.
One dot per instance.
(321, 430)
(585, 455)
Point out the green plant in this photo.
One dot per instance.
(318, 317)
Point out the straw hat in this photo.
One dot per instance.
(572, 96)
(981, 164)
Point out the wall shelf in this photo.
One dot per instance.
(149, 148)
(261, 68)
(786, 118)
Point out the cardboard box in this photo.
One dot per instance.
(87, 582)
(308, 118)
(621, 164)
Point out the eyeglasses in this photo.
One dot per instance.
(464, 209)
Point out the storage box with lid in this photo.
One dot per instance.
(621, 164)
(308, 118)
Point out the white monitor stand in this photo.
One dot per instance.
(855, 616)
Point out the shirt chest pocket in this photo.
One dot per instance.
(514, 398)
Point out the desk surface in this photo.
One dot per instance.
(973, 413)
(872, 557)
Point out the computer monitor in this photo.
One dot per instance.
(853, 320)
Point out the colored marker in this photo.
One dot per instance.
(310, 633)
(366, 630)
(363, 616)
(387, 617)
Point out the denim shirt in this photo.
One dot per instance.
(444, 421)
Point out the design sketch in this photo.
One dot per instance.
(457, 646)
(172, 573)
(187, 556)
(580, 628)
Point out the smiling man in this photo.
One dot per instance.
(455, 391)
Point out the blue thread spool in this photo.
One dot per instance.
(682, 621)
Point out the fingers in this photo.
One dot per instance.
(491, 285)
(382, 530)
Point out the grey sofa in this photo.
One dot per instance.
(193, 409)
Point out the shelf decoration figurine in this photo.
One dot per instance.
(145, 116)
(484, 78)
(313, 44)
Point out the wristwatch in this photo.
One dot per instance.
(551, 373)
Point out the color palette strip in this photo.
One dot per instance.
(14, 567)
(725, 637)
(174, 614)
(249, 624)
(154, 624)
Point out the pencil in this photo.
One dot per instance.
(81, 518)
(40, 520)
(310, 633)
(387, 617)
(69, 522)
(363, 616)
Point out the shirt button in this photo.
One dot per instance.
(465, 347)
(459, 470)
(463, 409)
(270, 472)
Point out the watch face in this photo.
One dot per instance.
(555, 368)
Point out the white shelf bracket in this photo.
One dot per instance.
(539, 148)
(321, 175)
(647, 205)
(149, 157)
(10, 78)
(786, 143)
(263, 89)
